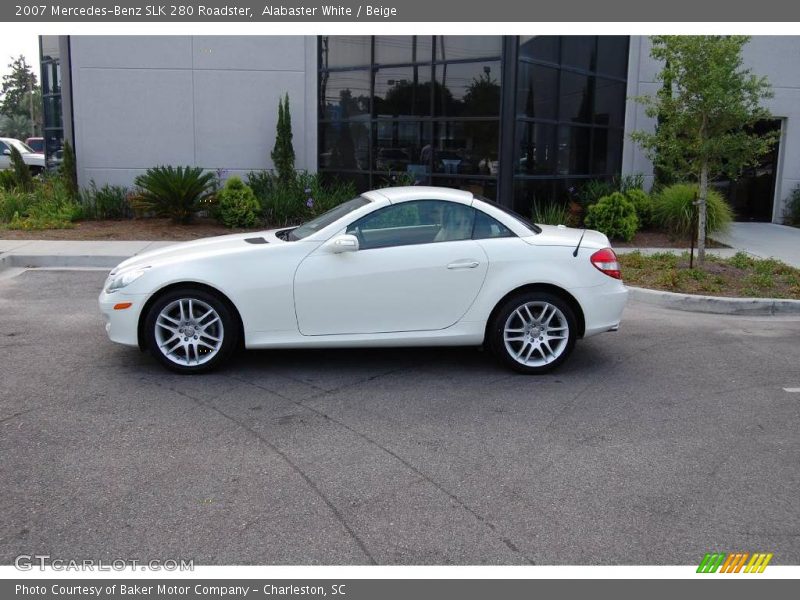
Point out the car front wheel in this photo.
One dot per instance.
(190, 330)
(533, 332)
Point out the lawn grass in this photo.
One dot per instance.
(740, 276)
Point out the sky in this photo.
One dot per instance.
(15, 44)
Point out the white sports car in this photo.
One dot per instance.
(412, 266)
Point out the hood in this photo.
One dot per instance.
(35, 159)
(200, 249)
(559, 235)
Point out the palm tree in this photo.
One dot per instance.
(15, 126)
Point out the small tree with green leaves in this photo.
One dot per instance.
(705, 114)
(22, 174)
(283, 152)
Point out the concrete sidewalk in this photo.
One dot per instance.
(765, 240)
(63, 253)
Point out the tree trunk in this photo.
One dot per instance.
(701, 215)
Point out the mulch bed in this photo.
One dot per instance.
(150, 229)
(737, 277)
(659, 239)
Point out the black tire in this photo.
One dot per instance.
(228, 332)
(551, 333)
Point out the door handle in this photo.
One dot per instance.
(463, 264)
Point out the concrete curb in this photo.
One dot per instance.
(33, 261)
(716, 304)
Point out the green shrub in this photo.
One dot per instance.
(7, 180)
(175, 193)
(319, 197)
(590, 192)
(22, 174)
(68, 170)
(551, 213)
(13, 202)
(107, 202)
(289, 203)
(49, 206)
(237, 205)
(674, 210)
(398, 179)
(627, 183)
(644, 205)
(615, 216)
(791, 215)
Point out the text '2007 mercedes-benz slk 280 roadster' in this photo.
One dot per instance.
(410, 266)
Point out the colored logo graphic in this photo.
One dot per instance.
(734, 562)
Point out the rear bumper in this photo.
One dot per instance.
(602, 307)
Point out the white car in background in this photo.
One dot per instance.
(409, 266)
(34, 160)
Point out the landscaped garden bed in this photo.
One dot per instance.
(740, 276)
(149, 229)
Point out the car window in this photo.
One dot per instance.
(325, 219)
(533, 227)
(487, 227)
(3, 147)
(23, 149)
(415, 222)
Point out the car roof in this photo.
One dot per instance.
(419, 192)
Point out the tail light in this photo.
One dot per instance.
(606, 261)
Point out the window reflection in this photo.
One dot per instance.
(537, 91)
(403, 92)
(344, 94)
(344, 146)
(466, 147)
(463, 47)
(345, 51)
(536, 149)
(402, 146)
(575, 100)
(400, 49)
(468, 89)
(430, 107)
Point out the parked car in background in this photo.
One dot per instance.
(34, 160)
(36, 144)
(406, 266)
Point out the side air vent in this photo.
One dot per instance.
(256, 240)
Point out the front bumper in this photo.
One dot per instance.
(122, 324)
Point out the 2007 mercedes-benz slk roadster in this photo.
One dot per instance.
(411, 266)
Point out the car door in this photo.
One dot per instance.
(5, 158)
(416, 269)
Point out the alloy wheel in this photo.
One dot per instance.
(536, 333)
(189, 332)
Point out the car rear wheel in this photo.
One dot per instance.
(533, 332)
(191, 330)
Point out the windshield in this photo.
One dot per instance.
(21, 146)
(522, 220)
(334, 214)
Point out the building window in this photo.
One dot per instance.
(53, 130)
(425, 108)
(431, 108)
(570, 111)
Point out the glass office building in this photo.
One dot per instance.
(519, 119)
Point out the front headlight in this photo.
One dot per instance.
(124, 279)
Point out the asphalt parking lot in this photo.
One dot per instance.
(653, 445)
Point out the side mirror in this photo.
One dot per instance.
(343, 243)
(7, 152)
